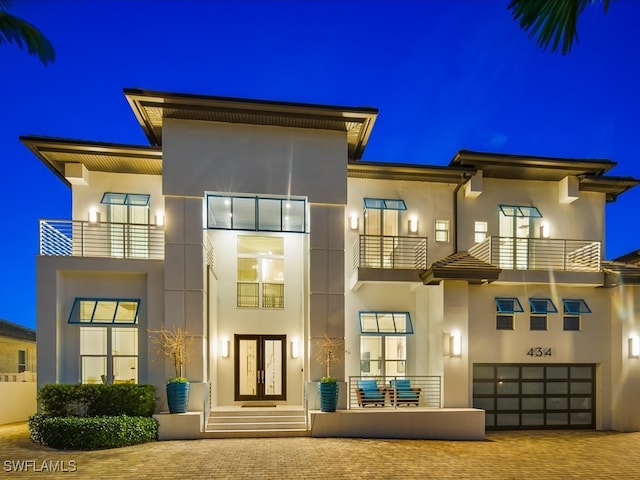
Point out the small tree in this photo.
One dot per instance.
(173, 345)
(329, 351)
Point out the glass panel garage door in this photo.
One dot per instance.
(535, 396)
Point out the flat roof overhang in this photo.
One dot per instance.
(95, 156)
(151, 107)
(408, 172)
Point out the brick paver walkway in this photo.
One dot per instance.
(513, 455)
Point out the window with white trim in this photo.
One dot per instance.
(506, 308)
(442, 230)
(539, 309)
(573, 309)
(22, 361)
(480, 232)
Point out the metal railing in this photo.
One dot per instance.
(101, 239)
(539, 254)
(272, 295)
(426, 392)
(390, 252)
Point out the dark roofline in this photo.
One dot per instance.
(408, 172)
(16, 331)
(630, 257)
(585, 166)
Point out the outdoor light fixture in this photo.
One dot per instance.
(634, 347)
(456, 345)
(224, 347)
(295, 348)
(545, 230)
(94, 216)
(413, 225)
(159, 219)
(354, 222)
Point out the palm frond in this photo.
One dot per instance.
(23, 34)
(553, 21)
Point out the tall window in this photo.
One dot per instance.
(480, 232)
(383, 344)
(442, 230)
(22, 361)
(128, 217)
(517, 225)
(260, 272)
(108, 354)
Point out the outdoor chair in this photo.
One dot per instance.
(402, 393)
(368, 393)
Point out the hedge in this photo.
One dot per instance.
(64, 400)
(91, 433)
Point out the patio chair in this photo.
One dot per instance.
(402, 393)
(368, 393)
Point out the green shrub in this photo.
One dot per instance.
(64, 400)
(91, 433)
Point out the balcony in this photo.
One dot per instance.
(539, 254)
(388, 258)
(72, 238)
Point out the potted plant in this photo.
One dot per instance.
(173, 345)
(329, 350)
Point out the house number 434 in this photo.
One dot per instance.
(539, 352)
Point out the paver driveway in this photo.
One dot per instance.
(521, 455)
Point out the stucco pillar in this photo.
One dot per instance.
(456, 385)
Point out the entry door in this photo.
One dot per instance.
(260, 367)
(515, 233)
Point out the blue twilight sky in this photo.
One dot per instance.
(445, 75)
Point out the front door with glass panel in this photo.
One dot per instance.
(260, 367)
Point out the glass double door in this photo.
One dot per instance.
(260, 367)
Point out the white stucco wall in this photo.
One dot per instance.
(581, 220)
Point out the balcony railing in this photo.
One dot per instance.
(539, 254)
(375, 251)
(101, 239)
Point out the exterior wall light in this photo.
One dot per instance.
(94, 215)
(224, 347)
(160, 219)
(295, 348)
(413, 225)
(545, 230)
(456, 345)
(634, 347)
(354, 222)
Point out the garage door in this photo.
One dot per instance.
(535, 396)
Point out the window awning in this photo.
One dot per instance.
(131, 199)
(508, 305)
(384, 204)
(542, 306)
(390, 323)
(520, 211)
(104, 311)
(575, 306)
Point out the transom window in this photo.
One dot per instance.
(260, 272)
(267, 214)
(384, 204)
(442, 230)
(104, 311)
(131, 199)
(385, 322)
(520, 211)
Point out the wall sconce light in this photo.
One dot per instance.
(634, 347)
(295, 348)
(413, 225)
(224, 347)
(545, 230)
(456, 345)
(354, 222)
(160, 219)
(94, 215)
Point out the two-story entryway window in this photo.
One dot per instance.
(260, 271)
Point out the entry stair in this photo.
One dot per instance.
(256, 422)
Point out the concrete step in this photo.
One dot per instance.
(256, 422)
(281, 433)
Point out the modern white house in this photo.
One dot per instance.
(257, 227)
